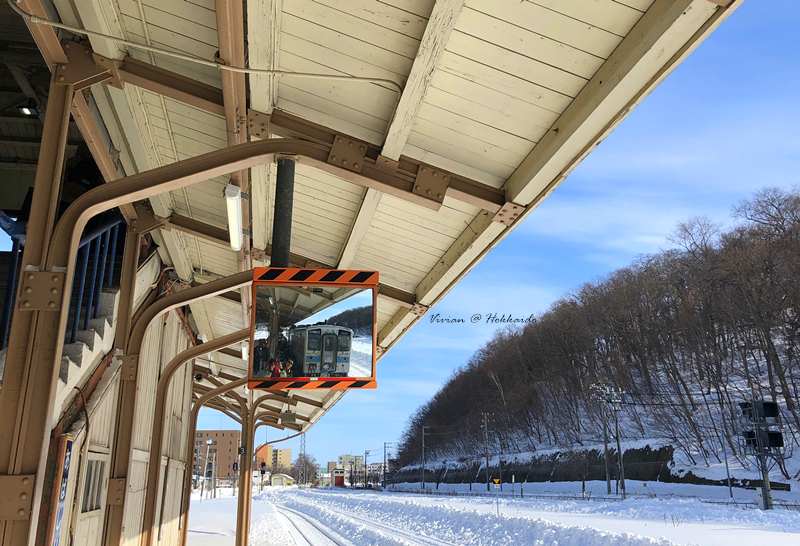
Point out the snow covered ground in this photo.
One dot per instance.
(361, 357)
(285, 516)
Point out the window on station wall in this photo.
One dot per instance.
(93, 485)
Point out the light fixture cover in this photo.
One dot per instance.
(233, 200)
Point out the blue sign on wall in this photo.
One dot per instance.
(62, 491)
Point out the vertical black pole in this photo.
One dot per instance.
(81, 284)
(11, 285)
(423, 458)
(112, 262)
(282, 218)
(92, 280)
(101, 280)
(605, 443)
(619, 451)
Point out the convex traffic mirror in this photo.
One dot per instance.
(313, 329)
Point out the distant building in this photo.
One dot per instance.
(375, 468)
(275, 458)
(332, 465)
(281, 458)
(263, 454)
(281, 479)
(348, 461)
(353, 465)
(224, 446)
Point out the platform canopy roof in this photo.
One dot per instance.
(469, 112)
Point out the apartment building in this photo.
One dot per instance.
(224, 446)
(263, 454)
(281, 458)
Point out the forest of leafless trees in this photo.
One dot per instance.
(687, 333)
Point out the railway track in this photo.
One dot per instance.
(319, 537)
(407, 536)
(410, 536)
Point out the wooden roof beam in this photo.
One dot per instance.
(431, 47)
(230, 33)
(437, 33)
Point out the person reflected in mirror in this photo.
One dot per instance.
(283, 369)
(287, 366)
(275, 368)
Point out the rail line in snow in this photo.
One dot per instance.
(328, 538)
(408, 536)
(414, 538)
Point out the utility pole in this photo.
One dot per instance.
(214, 475)
(619, 448)
(613, 397)
(423, 456)
(485, 427)
(301, 472)
(605, 442)
(205, 468)
(385, 461)
(500, 460)
(366, 453)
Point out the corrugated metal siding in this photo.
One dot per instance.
(164, 340)
(104, 417)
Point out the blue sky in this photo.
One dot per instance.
(723, 125)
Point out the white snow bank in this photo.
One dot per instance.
(450, 522)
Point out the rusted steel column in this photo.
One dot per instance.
(29, 380)
(245, 484)
(126, 399)
(187, 477)
(127, 287)
(151, 492)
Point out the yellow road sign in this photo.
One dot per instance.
(496, 481)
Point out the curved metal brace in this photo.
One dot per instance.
(222, 401)
(226, 411)
(222, 405)
(264, 423)
(214, 381)
(187, 477)
(153, 469)
(172, 301)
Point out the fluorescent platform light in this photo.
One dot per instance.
(25, 111)
(233, 199)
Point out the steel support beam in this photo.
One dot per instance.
(373, 170)
(153, 469)
(230, 33)
(399, 181)
(25, 421)
(187, 477)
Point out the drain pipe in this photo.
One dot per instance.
(282, 219)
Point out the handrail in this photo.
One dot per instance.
(101, 244)
(95, 233)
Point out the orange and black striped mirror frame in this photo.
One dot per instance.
(309, 279)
